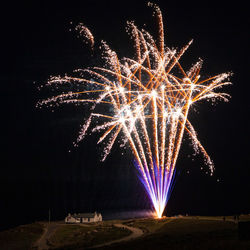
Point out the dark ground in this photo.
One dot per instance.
(182, 232)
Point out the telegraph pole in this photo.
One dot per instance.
(49, 215)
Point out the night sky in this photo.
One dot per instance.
(37, 170)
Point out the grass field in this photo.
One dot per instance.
(20, 238)
(188, 233)
(197, 232)
(77, 236)
(147, 225)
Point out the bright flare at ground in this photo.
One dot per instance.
(144, 101)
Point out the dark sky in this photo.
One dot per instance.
(38, 172)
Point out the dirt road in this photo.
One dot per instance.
(42, 243)
(136, 232)
(50, 228)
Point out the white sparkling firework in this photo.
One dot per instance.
(143, 102)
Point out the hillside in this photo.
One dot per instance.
(181, 232)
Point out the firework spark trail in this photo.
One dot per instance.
(144, 103)
(85, 33)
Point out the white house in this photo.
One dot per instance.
(83, 218)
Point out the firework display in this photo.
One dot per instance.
(142, 102)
